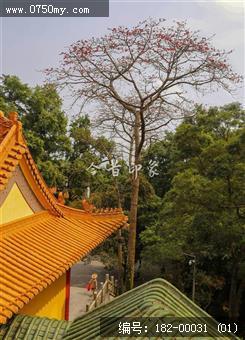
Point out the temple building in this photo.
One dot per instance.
(41, 238)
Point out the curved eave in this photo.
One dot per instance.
(14, 152)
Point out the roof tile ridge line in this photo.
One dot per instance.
(97, 212)
(108, 211)
(4, 146)
(81, 211)
(40, 181)
(164, 284)
(36, 216)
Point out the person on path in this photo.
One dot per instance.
(93, 284)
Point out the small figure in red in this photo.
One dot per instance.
(93, 284)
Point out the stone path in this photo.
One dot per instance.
(80, 276)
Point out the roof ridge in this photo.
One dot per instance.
(99, 212)
(155, 282)
(14, 148)
(155, 298)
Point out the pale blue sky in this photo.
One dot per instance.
(32, 44)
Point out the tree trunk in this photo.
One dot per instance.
(134, 204)
(132, 231)
(120, 262)
(121, 287)
(236, 290)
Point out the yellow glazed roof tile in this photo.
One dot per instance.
(36, 250)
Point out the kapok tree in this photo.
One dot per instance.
(147, 71)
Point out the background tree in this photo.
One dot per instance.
(203, 212)
(88, 163)
(146, 70)
(44, 123)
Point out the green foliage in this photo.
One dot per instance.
(86, 150)
(14, 95)
(53, 172)
(203, 211)
(163, 152)
(47, 121)
(44, 123)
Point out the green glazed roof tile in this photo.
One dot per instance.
(23, 327)
(156, 298)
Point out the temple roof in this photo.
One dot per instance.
(36, 250)
(35, 328)
(156, 298)
(13, 152)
